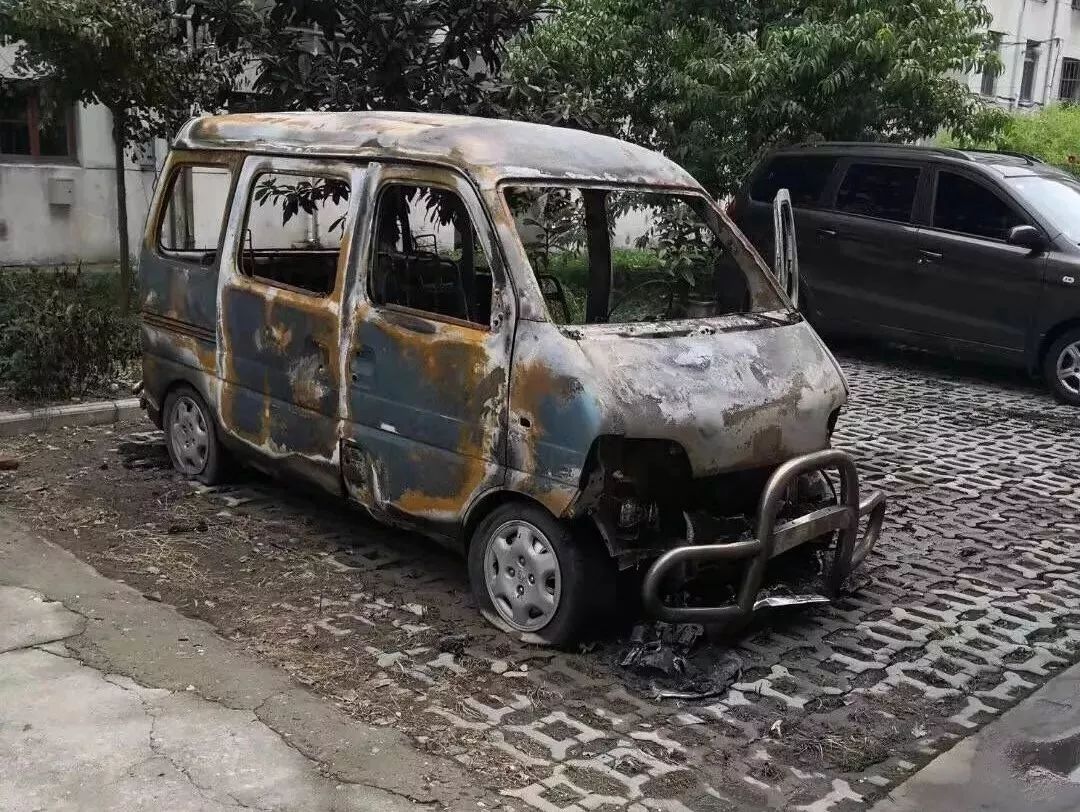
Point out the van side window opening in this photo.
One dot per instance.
(878, 190)
(428, 256)
(804, 177)
(194, 212)
(968, 207)
(625, 256)
(294, 229)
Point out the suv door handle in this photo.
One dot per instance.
(926, 257)
(827, 232)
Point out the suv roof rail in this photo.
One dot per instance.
(1031, 159)
(952, 152)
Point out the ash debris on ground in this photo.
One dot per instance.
(659, 657)
(683, 661)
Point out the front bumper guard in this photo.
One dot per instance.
(843, 518)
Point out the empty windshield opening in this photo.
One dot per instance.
(623, 255)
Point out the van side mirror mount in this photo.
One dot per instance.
(1027, 237)
(785, 250)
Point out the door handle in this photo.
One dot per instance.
(927, 257)
(828, 232)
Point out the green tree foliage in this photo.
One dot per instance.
(438, 55)
(715, 84)
(132, 56)
(1052, 134)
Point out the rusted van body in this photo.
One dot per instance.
(448, 385)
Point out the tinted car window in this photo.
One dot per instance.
(1056, 199)
(969, 207)
(877, 190)
(804, 177)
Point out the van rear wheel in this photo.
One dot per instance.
(531, 577)
(1061, 367)
(191, 436)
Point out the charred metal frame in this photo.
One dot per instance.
(771, 540)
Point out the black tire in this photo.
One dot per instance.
(1056, 355)
(182, 438)
(586, 592)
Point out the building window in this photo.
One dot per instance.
(1070, 79)
(25, 130)
(1031, 63)
(990, 74)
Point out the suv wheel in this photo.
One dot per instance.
(533, 579)
(1061, 367)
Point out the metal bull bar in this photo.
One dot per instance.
(771, 540)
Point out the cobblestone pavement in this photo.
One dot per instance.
(970, 603)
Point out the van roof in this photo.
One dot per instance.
(488, 149)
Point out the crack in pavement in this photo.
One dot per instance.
(206, 792)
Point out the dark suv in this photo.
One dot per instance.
(970, 253)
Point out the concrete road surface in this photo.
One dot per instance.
(111, 701)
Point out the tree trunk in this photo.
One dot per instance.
(121, 211)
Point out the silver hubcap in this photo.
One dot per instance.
(1068, 368)
(522, 575)
(188, 436)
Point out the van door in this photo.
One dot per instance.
(867, 248)
(973, 286)
(279, 302)
(431, 332)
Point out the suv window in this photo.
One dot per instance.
(967, 206)
(804, 176)
(879, 190)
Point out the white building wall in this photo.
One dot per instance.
(1055, 25)
(33, 232)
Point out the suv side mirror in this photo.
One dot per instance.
(1027, 237)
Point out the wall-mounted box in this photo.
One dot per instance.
(61, 191)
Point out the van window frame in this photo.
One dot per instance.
(738, 237)
(230, 164)
(321, 168)
(447, 179)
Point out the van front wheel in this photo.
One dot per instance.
(1061, 367)
(530, 576)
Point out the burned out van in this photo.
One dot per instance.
(547, 348)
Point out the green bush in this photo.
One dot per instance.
(1051, 134)
(62, 334)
